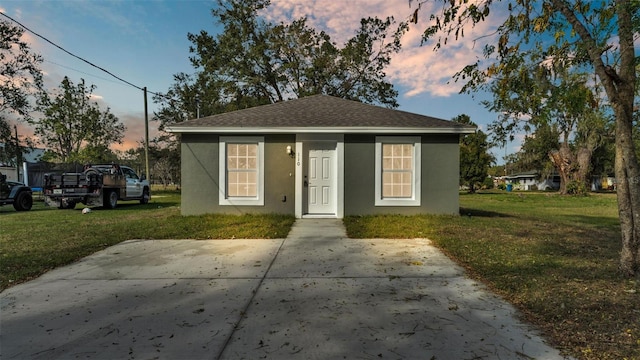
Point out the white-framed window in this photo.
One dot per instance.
(397, 170)
(241, 165)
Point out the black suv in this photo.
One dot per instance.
(15, 193)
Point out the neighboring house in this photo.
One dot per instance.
(320, 156)
(28, 156)
(603, 182)
(530, 181)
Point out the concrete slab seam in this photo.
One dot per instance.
(248, 304)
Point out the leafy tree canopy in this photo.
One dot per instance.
(254, 62)
(475, 158)
(20, 79)
(597, 36)
(72, 122)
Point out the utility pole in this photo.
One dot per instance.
(146, 137)
(197, 106)
(18, 154)
(505, 158)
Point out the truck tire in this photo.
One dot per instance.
(110, 199)
(23, 201)
(145, 196)
(69, 205)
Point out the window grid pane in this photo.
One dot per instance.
(242, 170)
(397, 170)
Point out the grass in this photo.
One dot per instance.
(554, 257)
(35, 241)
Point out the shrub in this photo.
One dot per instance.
(487, 183)
(577, 188)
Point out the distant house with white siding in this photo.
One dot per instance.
(530, 180)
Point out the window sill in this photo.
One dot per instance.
(397, 202)
(241, 202)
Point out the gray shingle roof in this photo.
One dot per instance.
(319, 113)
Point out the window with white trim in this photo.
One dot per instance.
(397, 171)
(241, 170)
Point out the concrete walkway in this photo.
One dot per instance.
(314, 295)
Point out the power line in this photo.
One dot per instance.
(85, 73)
(76, 56)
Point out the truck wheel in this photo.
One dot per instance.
(145, 196)
(111, 199)
(23, 201)
(69, 205)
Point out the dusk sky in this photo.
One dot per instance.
(145, 43)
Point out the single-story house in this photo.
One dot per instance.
(29, 156)
(531, 180)
(320, 156)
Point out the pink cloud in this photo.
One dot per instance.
(417, 68)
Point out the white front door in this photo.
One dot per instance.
(321, 178)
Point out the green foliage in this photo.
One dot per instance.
(164, 161)
(72, 121)
(21, 78)
(254, 62)
(94, 154)
(21, 75)
(577, 188)
(553, 48)
(534, 153)
(497, 170)
(536, 82)
(487, 183)
(475, 157)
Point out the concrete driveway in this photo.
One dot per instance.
(314, 295)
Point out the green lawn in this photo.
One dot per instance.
(35, 241)
(554, 257)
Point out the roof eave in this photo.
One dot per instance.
(319, 130)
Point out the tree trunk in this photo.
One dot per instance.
(563, 161)
(621, 92)
(620, 88)
(628, 191)
(583, 171)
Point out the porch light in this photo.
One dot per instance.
(290, 151)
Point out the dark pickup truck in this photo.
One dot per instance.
(97, 185)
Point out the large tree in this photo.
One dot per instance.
(72, 121)
(164, 159)
(253, 62)
(550, 96)
(475, 158)
(535, 149)
(20, 79)
(596, 35)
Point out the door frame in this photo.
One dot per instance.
(303, 141)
